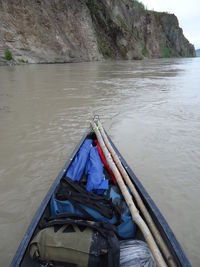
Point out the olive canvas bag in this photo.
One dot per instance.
(75, 243)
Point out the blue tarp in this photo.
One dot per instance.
(77, 167)
(88, 160)
(94, 172)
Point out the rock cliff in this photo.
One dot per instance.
(47, 31)
(39, 31)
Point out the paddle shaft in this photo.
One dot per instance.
(133, 210)
(138, 199)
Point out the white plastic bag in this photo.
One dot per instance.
(135, 253)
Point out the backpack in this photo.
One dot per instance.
(75, 243)
(72, 198)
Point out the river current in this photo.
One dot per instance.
(151, 110)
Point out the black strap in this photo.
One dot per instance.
(77, 195)
(80, 189)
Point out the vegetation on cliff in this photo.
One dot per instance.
(8, 55)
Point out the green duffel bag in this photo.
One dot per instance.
(73, 245)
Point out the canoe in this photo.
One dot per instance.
(22, 257)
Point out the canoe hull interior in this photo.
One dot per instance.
(22, 257)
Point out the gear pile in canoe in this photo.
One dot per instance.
(97, 213)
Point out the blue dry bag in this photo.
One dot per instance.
(67, 201)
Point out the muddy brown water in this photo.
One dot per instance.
(151, 109)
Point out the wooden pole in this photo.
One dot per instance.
(138, 199)
(133, 210)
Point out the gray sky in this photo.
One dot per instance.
(188, 13)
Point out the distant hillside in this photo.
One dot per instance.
(198, 52)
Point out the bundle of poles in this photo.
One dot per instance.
(146, 225)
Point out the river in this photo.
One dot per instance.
(150, 108)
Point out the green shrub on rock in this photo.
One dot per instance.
(8, 55)
(166, 52)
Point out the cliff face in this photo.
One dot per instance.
(126, 30)
(84, 30)
(47, 31)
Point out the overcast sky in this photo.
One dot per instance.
(188, 13)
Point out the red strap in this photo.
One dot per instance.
(103, 158)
